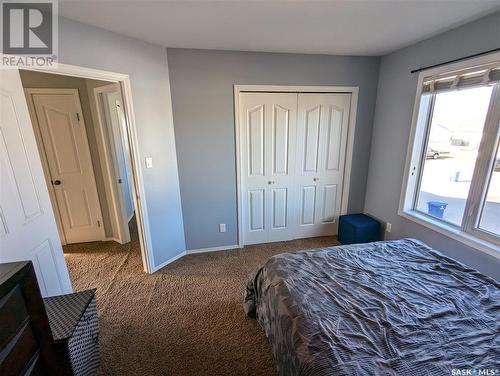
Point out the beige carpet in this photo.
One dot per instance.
(186, 319)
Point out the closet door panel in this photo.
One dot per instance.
(255, 137)
(279, 208)
(329, 203)
(322, 123)
(256, 209)
(334, 138)
(267, 125)
(280, 140)
(308, 205)
(310, 141)
(282, 134)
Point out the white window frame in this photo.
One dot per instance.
(468, 232)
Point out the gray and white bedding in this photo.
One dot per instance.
(386, 308)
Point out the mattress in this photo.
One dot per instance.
(385, 308)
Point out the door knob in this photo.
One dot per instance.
(316, 179)
(56, 182)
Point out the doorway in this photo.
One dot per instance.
(294, 150)
(82, 138)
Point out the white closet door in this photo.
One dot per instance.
(322, 126)
(268, 126)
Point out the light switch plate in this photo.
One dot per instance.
(222, 227)
(149, 162)
(388, 227)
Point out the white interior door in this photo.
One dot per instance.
(27, 226)
(116, 163)
(322, 127)
(268, 125)
(65, 146)
(119, 138)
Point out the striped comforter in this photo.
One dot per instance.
(386, 308)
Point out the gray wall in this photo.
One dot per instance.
(395, 100)
(146, 64)
(202, 95)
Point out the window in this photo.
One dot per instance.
(452, 179)
(489, 219)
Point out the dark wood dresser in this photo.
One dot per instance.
(25, 336)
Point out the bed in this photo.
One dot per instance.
(385, 308)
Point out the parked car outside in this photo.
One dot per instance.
(432, 153)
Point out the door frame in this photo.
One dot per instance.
(109, 161)
(139, 195)
(45, 163)
(238, 89)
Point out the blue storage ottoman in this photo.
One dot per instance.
(358, 228)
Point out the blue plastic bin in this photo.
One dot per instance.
(436, 208)
(358, 228)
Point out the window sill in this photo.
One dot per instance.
(452, 232)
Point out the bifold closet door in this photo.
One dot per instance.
(322, 124)
(268, 126)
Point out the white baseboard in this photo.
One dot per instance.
(169, 261)
(213, 249)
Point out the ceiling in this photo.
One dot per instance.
(338, 27)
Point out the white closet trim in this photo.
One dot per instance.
(353, 90)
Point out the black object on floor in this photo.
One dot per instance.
(25, 342)
(75, 328)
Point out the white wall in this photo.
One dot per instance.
(147, 67)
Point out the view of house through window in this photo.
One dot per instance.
(456, 128)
